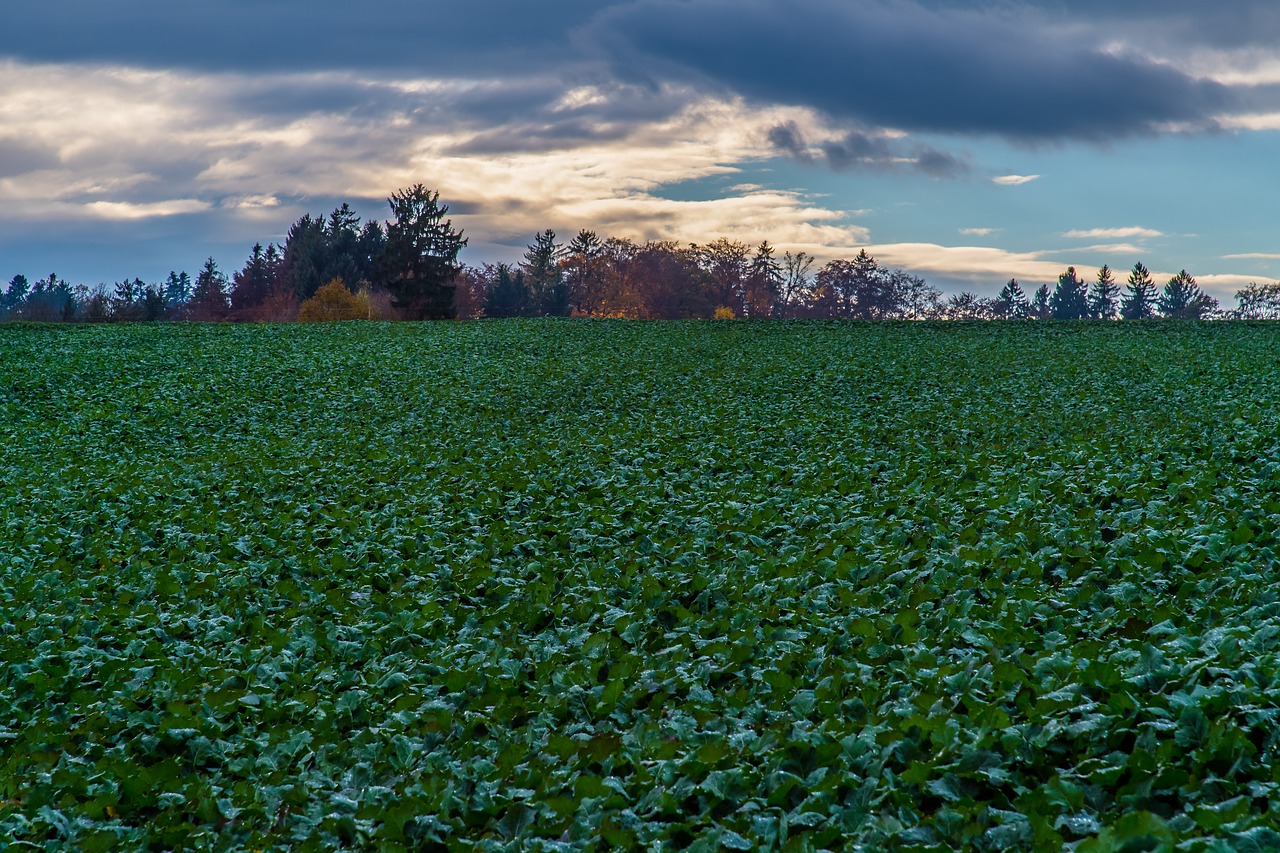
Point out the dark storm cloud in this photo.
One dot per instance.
(1030, 70)
(898, 64)
(475, 39)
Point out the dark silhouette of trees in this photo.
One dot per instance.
(1102, 295)
(585, 271)
(209, 295)
(795, 285)
(545, 277)
(257, 279)
(1040, 303)
(507, 292)
(318, 250)
(1258, 302)
(419, 262)
(1139, 302)
(1012, 301)
(14, 296)
(177, 291)
(1182, 299)
(1069, 300)
(726, 264)
(763, 286)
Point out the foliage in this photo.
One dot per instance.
(419, 262)
(334, 302)
(1139, 301)
(1102, 295)
(209, 299)
(1182, 299)
(1259, 301)
(544, 277)
(541, 585)
(1070, 297)
(1012, 301)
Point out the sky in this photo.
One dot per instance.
(967, 142)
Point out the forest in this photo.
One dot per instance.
(339, 268)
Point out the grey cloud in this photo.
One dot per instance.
(944, 69)
(18, 157)
(478, 38)
(858, 149)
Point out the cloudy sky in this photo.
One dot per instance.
(966, 141)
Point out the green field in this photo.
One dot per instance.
(569, 585)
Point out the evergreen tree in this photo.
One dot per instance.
(11, 301)
(1040, 303)
(1183, 299)
(1139, 300)
(508, 293)
(544, 276)
(419, 264)
(126, 299)
(1012, 301)
(1069, 297)
(1102, 295)
(177, 290)
(585, 270)
(153, 303)
(306, 256)
(50, 299)
(253, 283)
(587, 244)
(209, 296)
(764, 283)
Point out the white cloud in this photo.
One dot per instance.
(1253, 256)
(136, 144)
(1014, 180)
(978, 232)
(125, 210)
(1114, 233)
(984, 266)
(1116, 248)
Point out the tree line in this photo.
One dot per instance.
(337, 267)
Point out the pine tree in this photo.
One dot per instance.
(209, 296)
(544, 276)
(419, 263)
(1102, 295)
(15, 295)
(1012, 301)
(1069, 297)
(1139, 300)
(252, 284)
(177, 289)
(1183, 299)
(1040, 303)
(508, 293)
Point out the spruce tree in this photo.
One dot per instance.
(1013, 302)
(1102, 295)
(1069, 297)
(1139, 300)
(1183, 299)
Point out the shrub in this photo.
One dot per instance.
(333, 302)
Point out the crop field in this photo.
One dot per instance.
(544, 585)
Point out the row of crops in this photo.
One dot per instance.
(544, 585)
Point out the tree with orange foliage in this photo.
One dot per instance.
(333, 302)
